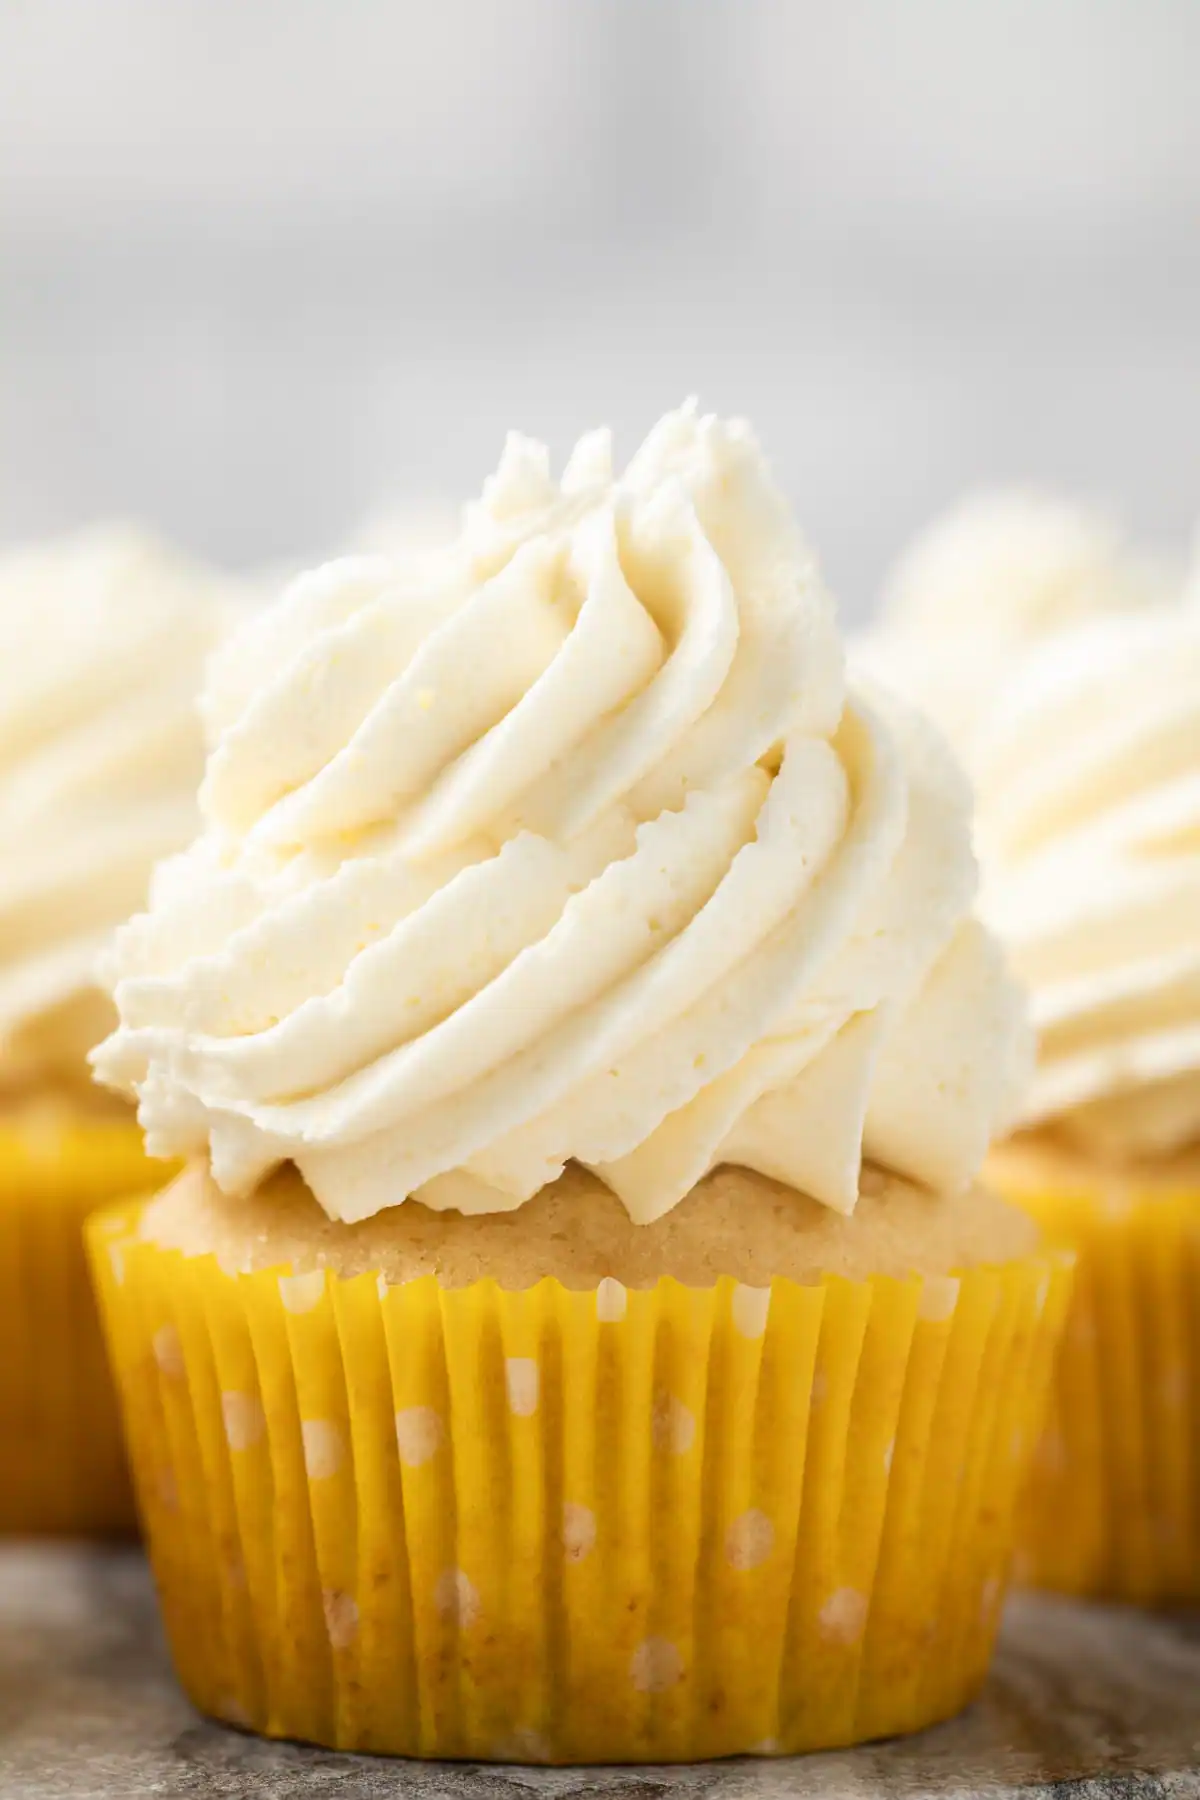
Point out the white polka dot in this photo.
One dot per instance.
(341, 1617)
(673, 1426)
(1052, 1453)
(889, 1457)
(1166, 1529)
(381, 1286)
(1081, 1330)
(750, 1308)
(419, 1435)
(302, 1293)
(655, 1666)
(579, 1531)
(1174, 1388)
(524, 1745)
(764, 1747)
(843, 1616)
(1022, 1568)
(168, 1352)
(611, 1301)
(749, 1540)
(245, 1422)
(456, 1599)
(939, 1297)
(522, 1379)
(324, 1448)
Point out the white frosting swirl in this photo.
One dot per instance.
(1089, 815)
(982, 586)
(570, 847)
(103, 638)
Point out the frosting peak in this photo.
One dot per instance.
(569, 844)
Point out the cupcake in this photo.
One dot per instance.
(981, 586)
(578, 1335)
(1089, 815)
(102, 642)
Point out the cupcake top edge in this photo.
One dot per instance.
(104, 636)
(569, 844)
(735, 1224)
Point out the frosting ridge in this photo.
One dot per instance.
(569, 844)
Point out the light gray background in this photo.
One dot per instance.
(267, 264)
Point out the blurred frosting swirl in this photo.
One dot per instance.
(569, 845)
(103, 639)
(982, 585)
(1089, 820)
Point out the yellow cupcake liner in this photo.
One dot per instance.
(1113, 1506)
(63, 1466)
(553, 1526)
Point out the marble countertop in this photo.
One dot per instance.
(1086, 1701)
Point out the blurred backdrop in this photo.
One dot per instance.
(269, 265)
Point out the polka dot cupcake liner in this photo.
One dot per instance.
(63, 1459)
(563, 1527)
(1113, 1507)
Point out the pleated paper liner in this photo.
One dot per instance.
(1113, 1507)
(551, 1526)
(62, 1468)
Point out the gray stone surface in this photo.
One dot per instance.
(1083, 1701)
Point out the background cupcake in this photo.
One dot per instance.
(103, 639)
(983, 585)
(535, 1363)
(1089, 786)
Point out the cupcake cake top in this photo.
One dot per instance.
(569, 846)
(983, 585)
(1089, 827)
(103, 638)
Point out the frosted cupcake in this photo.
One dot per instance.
(536, 1362)
(1090, 828)
(102, 643)
(982, 586)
